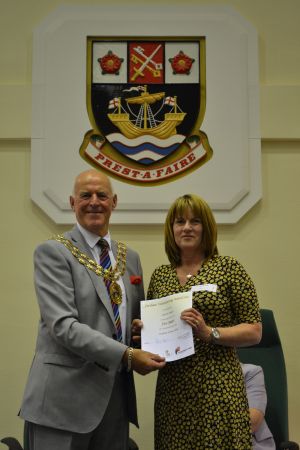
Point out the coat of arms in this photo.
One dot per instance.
(146, 100)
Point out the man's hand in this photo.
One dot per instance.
(256, 418)
(136, 327)
(144, 362)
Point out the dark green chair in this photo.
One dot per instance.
(12, 443)
(269, 355)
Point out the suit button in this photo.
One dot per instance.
(114, 336)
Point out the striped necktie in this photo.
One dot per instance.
(105, 262)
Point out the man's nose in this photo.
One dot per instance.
(94, 200)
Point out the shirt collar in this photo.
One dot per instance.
(92, 238)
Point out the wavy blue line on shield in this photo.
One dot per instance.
(145, 153)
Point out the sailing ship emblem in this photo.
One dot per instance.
(146, 103)
(145, 122)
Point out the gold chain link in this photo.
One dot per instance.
(112, 274)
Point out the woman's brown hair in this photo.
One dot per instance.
(200, 209)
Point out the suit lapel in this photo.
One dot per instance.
(78, 240)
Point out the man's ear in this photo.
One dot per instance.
(72, 201)
(115, 201)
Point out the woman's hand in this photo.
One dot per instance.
(196, 321)
(241, 335)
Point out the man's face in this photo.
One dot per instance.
(93, 202)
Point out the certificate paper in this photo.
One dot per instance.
(163, 331)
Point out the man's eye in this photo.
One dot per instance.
(84, 195)
(102, 196)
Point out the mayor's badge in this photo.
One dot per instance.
(146, 101)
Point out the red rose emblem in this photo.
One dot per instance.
(181, 63)
(110, 63)
(135, 279)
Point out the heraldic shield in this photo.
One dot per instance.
(146, 101)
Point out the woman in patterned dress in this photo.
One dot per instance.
(200, 400)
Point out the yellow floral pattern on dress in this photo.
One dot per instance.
(200, 401)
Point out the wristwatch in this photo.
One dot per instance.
(215, 335)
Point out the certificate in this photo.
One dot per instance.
(163, 331)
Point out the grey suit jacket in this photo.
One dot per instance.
(257, 398)
(77, 356)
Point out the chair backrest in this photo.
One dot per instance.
(269, 355)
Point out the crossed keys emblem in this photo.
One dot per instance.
(147, 62)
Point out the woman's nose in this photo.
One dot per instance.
(187, 224)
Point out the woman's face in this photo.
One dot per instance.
(188, 232)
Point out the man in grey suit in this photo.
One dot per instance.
(262, 437)
(80, 391)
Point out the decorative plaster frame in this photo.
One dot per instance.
(230, 181)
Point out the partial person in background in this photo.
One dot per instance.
(80, 392)
(257, 398)
(200, 400)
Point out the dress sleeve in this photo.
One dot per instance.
(243, 294)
